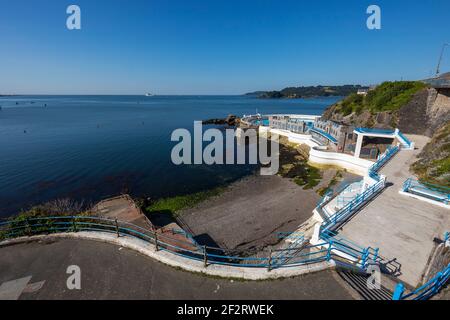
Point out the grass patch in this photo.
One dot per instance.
(309, 178)
(293, 165)
(173, 205)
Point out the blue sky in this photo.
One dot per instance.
(215, 46)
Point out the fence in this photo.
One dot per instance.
(348, 210)
(288, 257)
(352, 206)
(361, 257)
(406, 141)
(359, 200)
(426, 291)
(430, 288)
(427, 190)
(390, 152)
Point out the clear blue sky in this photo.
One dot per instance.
(215, 46)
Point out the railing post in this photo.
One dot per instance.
(205, 257)
(364, 258)
(269, 266)
(399, 289)
(156, 241)
(74, 224)
(117, 229)
(375, 256)
(330, 247)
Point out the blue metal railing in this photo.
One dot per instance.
(351, 207)
(343, 214)
(325, 197)
(324, 134)
(390, 152)
(360, 256)
(428, 290)
(427, 190)
(400, 136)
(406, 141)
(289, 257)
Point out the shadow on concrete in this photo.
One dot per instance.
(206, 240)
(161, 218)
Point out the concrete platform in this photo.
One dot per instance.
(402, 227)
(122, 208)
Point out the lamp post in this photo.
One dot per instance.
(440, 58)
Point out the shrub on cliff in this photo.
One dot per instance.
(388, 96)
(434, 163)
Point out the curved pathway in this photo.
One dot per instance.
(37, 270)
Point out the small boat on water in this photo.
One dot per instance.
(149, 95)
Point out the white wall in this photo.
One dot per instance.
(349, 162)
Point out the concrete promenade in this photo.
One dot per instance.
(37, 271)
(402, 227)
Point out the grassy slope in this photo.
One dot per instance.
(434, 163)
(389, 96)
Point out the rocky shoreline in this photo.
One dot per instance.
(231, 120)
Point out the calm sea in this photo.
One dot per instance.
(91, 147)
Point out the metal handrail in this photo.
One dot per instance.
(426, 291)
(413, 186)
(292, 256)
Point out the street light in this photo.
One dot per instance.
(440, 59)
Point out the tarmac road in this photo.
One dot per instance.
(38, 270)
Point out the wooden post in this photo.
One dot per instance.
(74, 224)
(205, 257)
(117, 229)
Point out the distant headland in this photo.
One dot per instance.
(307, 92)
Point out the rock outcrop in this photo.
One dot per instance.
(230, 120)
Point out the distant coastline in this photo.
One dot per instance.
(307, 92)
